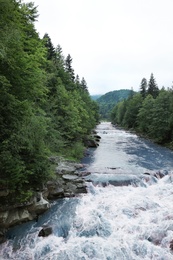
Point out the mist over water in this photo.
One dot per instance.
(128, 222)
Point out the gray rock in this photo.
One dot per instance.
(69, 177)
(83, 174)
(40, 206)
(45, 231)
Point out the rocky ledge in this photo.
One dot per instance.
(68, 182)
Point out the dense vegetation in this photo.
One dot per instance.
(110, 99)
(45, 109)
(150, 112)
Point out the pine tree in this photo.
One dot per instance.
(84, 85)
(68, 67)
(51, 54)
(143, 87)
(152, 87)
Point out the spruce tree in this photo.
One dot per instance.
(152, 87)
(84, 85)
(143, 87)
(51, 54)
(68, 67)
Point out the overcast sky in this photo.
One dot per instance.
(113, 43)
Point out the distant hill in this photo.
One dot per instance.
(109, 100)
(95, 97)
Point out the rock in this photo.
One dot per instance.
(91, 143)
(17, 216)
(65, 169)
(68, 183)
(69, 177)
(161, 174)
(83, 174)
(97, 138)
(115, 180)
(40, 206)
(3, 217)
(13, 217)
(171, 245)
(45, 231)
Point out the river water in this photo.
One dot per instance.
(126, 214)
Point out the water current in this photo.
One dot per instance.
(126, 214)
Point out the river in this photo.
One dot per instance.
(126, 215)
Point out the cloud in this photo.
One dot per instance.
(113, 43)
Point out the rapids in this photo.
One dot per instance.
(111, 221)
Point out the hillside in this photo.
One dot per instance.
(95, 97)
(110, 99)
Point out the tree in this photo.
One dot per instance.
(42, 110)
(132, 109)
(143, 87)
(68, 67)
(51, 54)
(84, 85)
(160, 127)
(145, 115)
(152, 87)
(118, 112)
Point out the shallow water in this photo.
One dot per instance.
(127, 222)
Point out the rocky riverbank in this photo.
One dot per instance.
(68, 181)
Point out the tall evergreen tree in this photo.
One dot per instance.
(51, 54)
(84, 85)
(152, 87)
(143, 87)
(68, 67)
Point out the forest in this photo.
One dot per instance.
(149, 112)
(109, 100)
(45, 107)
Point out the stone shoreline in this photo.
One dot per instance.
(69, 182)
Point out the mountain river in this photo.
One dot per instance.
(127, 213)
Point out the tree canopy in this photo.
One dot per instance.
(148, 112)
(43, 110)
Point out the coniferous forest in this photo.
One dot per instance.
(45, 109)
(149, 112)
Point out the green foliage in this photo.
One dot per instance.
(143, 87)
(160, 129)
(43, 110)
(152, 87)
(151, 114)
(145, 115)
(132, 109)
(109, 100)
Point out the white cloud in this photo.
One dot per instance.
(113, 43)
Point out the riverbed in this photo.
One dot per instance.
(127, 213)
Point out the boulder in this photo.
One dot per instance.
(13, 217)
(57, 194)
(45, 231)
(40, 206)
(69, 177)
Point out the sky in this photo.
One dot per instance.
(114, 44)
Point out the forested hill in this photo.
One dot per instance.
(45, 108)
(95, 97)
(110, 99)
